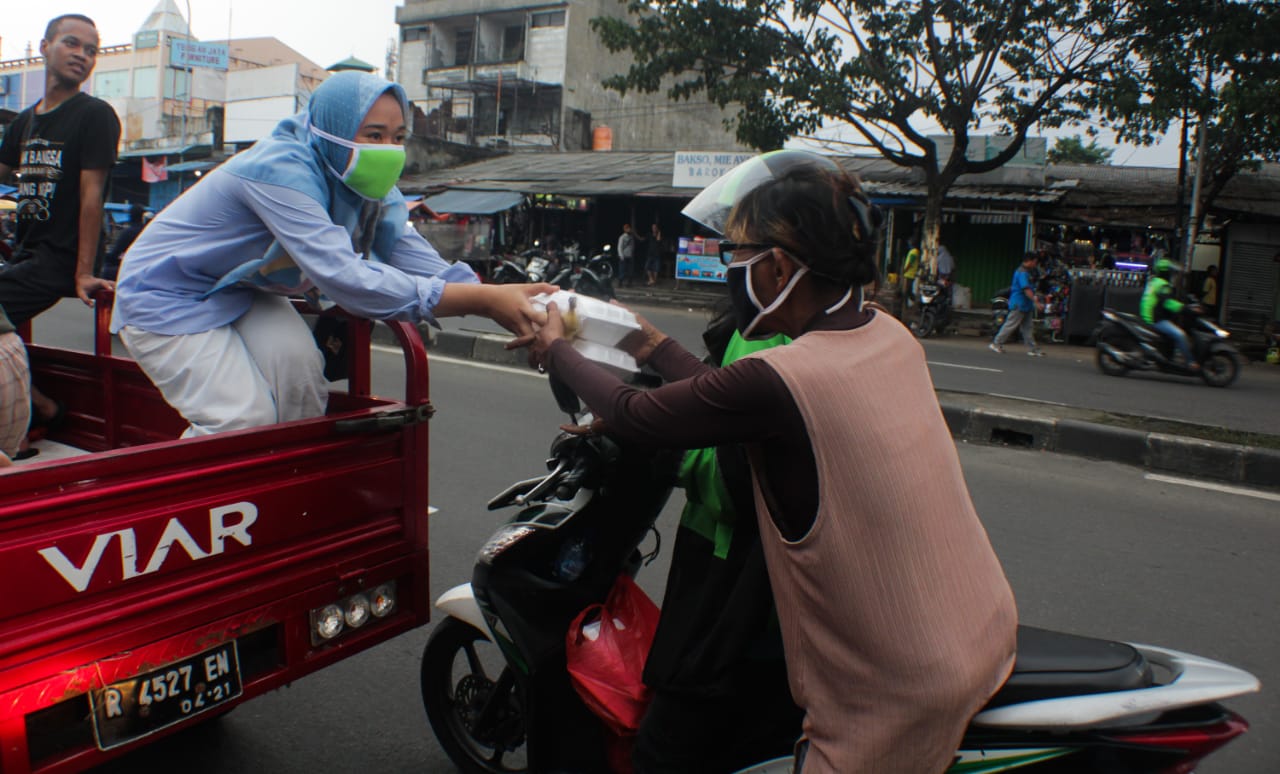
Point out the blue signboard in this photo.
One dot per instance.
(699, 259)
(190, 53)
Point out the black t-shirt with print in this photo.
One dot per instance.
(81, 133)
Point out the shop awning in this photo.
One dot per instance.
(174, 150)
(193, 166)
(463, 202)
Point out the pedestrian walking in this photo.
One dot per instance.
(626, 255)
(1022, 307)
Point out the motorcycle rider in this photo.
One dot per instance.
(897, 621)
(1159, 308)
(720, 696)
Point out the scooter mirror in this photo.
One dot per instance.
(566, 398)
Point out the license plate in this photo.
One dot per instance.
(146, 703)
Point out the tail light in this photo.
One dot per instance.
(1191, 743)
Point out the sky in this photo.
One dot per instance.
(324, 31)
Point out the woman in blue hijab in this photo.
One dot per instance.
(311, 210)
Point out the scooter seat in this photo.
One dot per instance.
(1140, 327)
(1051, 664)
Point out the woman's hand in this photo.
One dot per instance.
(509, 306)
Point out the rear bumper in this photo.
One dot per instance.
(45, 725)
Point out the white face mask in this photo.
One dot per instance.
(747, 310)
(374, 168)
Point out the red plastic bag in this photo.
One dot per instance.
(606, 648)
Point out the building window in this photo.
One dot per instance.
(463, 43)
(513, 43)
(177, 84)
(144, 83)
(111, 85)
(547, 19)
(416, 33)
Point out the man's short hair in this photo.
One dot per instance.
(52, 29)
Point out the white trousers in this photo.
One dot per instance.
(261, 369)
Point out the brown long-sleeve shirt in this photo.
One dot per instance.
(701, 406)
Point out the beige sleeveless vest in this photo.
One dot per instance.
(897, 619)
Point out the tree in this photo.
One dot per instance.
(1072, 150)
(1212, 66)
(893, 71)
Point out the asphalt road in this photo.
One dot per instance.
(1067, 375)
(1092, 548)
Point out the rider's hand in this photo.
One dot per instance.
(596, 427)
(87, 285)
(541, 340)
(641, 344)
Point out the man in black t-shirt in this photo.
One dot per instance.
(62, 149)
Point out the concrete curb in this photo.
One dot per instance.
(1234, 463)
(1014, 423)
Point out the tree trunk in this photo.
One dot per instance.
(932, 228)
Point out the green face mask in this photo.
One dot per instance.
(373, 169)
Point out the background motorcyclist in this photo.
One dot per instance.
(1160, 309)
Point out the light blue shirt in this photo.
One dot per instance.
(225, 220)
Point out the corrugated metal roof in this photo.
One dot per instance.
(1145, 194)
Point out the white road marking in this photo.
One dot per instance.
(1235, 490)
(1030, 400)
(966, 367)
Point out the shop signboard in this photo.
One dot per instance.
(698, 169)
(698, 259)
(190, 53)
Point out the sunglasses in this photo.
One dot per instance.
(727, 249)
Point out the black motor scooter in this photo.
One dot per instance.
(498, 696)
(935, 308)
(1127, 343)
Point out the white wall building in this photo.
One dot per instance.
(170, 110)
(524, 75)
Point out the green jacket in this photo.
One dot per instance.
(708, 508)
(1158, 302)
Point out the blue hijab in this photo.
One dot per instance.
(295, 157)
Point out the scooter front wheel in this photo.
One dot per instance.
(1109, 364)
(472, 700)
(924, 328)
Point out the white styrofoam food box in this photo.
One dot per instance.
(598, 321)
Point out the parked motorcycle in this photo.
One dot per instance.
(532, 265)
(596, 277)
(999, 309)
(1127, 343)
(935, 309)
(498, 696)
